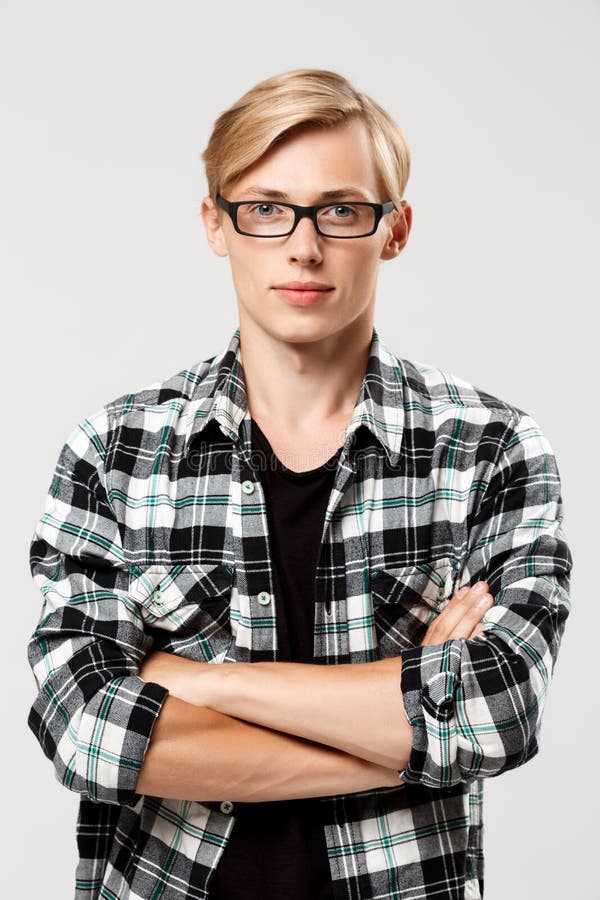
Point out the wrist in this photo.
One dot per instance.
(217, 684)
(194, 682)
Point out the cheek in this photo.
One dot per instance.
(360, 266)
(246, 266)
(253, 270)
(256, 261)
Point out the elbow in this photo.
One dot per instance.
(498, 729)
(476, 723)
(97, 747)
(57, 734)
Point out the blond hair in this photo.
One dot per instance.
(285, 104)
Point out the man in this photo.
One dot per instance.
(302, 598)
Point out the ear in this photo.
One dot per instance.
(398, 231)
(213, 226)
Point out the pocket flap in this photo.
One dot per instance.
(430, 582)
(161, 589)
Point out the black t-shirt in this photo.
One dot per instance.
(277, 849)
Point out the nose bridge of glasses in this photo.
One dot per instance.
(304, 212)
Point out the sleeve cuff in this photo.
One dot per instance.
(430, 680)
(113, 737)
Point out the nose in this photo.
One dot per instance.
(304, 243)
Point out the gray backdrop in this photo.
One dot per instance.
(109, 284)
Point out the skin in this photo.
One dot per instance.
(298, 698)
(303, 368)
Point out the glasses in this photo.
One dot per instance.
(261, 218)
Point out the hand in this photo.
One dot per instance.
(461, 616)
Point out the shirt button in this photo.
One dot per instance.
(264, 598)
(248, 487)
(157, 595)
(226, 806)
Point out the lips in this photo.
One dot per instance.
(304, 286)
(303, 293)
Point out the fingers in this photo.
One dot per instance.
(462, 615)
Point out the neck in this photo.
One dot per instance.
(301, 385)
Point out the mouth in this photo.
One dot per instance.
(303, 293)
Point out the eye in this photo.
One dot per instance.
(264, 210)
(341, 211)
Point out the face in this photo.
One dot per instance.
(301, 169)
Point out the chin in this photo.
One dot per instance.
(309, 330)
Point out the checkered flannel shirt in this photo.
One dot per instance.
(154, 535)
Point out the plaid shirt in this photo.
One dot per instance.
(154, 535)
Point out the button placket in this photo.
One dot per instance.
(249, 486)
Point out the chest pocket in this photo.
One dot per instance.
(192, 601)
(406, 600)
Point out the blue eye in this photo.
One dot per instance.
(346, 211)
(264, 210)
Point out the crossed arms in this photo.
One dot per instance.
(473, 705)
(346, 707)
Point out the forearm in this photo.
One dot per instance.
(356, 708)
(199, 754)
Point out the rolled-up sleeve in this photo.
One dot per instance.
(93, 715)
(476, 705)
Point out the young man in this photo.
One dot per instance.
(302, 598)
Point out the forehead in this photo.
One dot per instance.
(318, 159)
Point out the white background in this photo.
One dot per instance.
(108, 284)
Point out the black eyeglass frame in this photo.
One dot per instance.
(231, 208)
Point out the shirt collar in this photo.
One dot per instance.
(221, 395)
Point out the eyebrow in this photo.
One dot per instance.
(336, 194)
